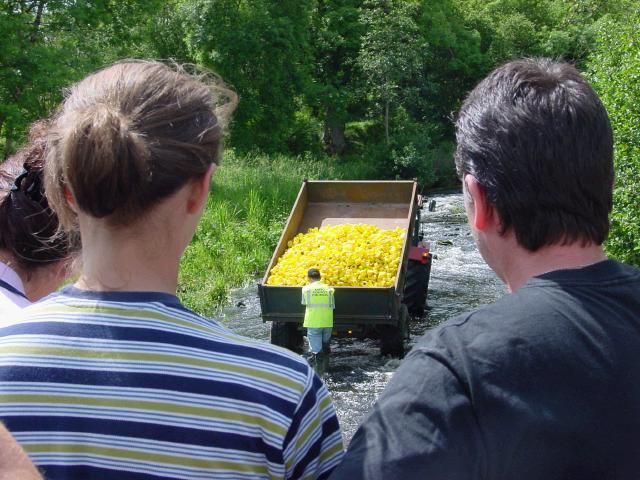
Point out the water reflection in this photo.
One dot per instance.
(460, 281)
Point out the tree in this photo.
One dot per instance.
(49, 43)
(393, 51)
(454, 63)
(166, 32)
(336, 38)
(261, 47)
(552, 28)
(24, 87)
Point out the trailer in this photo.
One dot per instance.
(379, 312)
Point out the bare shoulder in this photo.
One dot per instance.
(14, 463)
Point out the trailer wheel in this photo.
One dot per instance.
(392, 337)
(416, 285)
(287, 335)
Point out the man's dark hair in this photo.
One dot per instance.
(538, 140)
(314, 274)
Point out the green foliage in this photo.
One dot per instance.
(166, 32)
(336, 38)
(305, 132)
(409, 150)
(553, 28)
(47, 44)
(417, 61)
(453, 64)
(392, 53)
(615, 72)
(247, 208)
(262, 49)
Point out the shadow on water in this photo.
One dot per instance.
(460, 281)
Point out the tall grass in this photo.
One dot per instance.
(248, 205)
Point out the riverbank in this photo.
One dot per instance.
(247, 209)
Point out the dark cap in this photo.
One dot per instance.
(313, 273)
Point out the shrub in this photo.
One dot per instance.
(614, 69)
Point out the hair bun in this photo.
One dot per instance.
(130, 135)
(107, 162)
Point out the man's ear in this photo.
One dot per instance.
(200, 190)
(483, 214)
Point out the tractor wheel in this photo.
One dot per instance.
(392, 337)
(287, 335)
(416, 285)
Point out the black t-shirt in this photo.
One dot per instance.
(544, 384)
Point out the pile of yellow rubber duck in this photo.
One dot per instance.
(354, 255)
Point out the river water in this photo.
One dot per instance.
(460, 281)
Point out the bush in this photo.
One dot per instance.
(305, 134)
(614, 69)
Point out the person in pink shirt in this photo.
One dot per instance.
(34, 257)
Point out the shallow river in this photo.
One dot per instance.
(460, 281)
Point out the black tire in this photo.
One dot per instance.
(392, 337)
(416, 285)
(287, 335)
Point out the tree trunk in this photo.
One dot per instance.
(333, 138)
(37, 21)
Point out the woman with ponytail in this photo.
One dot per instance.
(113, 378)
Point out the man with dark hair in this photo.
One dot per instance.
(544, 383)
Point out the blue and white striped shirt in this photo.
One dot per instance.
(135, 386)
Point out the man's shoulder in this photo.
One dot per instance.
(604, 273)
(485, 330)
(549, 309)
(326, 286)
(508, 311)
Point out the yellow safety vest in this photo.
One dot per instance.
(320, 303)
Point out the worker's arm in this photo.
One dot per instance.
(14, 463)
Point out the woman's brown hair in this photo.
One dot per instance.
(130, 135)
(27, 225)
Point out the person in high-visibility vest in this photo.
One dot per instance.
(318, 319)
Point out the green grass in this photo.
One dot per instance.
(248, 206)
